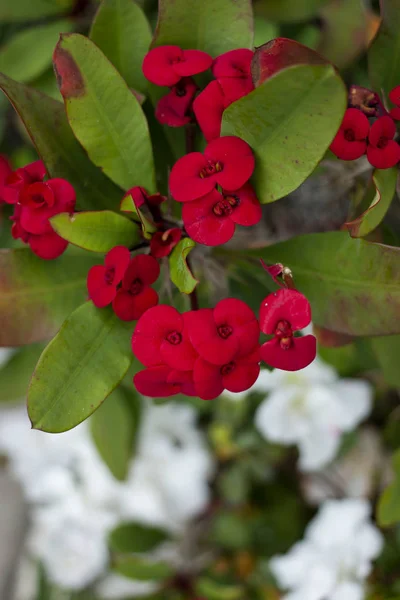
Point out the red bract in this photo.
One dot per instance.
(351, 139)
(161, 382)
(17, 180)
(174, 108)
(382, 151)
(140, 196)
(237, 375)
(163, 242)
(228, 331)
(211, 220)
(166, 65)
(102, 281)
(161, 337)
(136, 296)
(227, 161)
(235, 63)
(41, 201)
(394, 97)
(281, 314)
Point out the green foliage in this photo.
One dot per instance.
(180, 272)
(289, 121)
(133, 537)
(80, 367)
(122, 32)
(216, 591)
(32, 10)
(389, 503)
(142, 569)
(387, 351)
(104, 114)
(16, 373)
(37, 295)
(128, 205)
(288, 10)
(384, 53)
(97, 231)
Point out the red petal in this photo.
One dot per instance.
(208, 108)
(394, 95)
(298, 356)
(207, 380)
(48, 245)
(194, 61)
(346, 150)
(248, 212)
(143, 267)
(162, 243)
(384, 158)
(118, 259)
(395, 113)
(237, 159)
(129, 308)
(180, 356)
(235, 63)
(383, 127)
(168, 112)
(185, 183)
(138, 195)
(284, 305)
(185, 380)
(355, 120)
(99, 291)
(36, 171)
(238, 315)
(205, 339)
(234, 89)
(150, 331)
(64, 193)
(203, 225)
(242, 377)
(158, 65)
(153, 382)
(5, 168)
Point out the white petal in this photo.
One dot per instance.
(283, 416)
(118, 587)
(318, 449)
(348, 591)
(337, 521)
(291, 569)
(355, 397)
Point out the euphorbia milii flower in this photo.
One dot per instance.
(220, 334)
(174, 108)
(237, 375)
(382, 151)
(212, 219)
(136, 296)
(103, 280)
(17, 180)
(161, 382)
(281, 314)
(394, 97)
(42, 200)
(140, 197)
(227, 161)
(351, 139)
(161, 337)
(235, 63)
(163, 242)
(166, 65)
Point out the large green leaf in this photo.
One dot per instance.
(113, 428)
(29, 52)
(134, 537)
(121, 30)
(104, 114)
(80, 367)
(384, 52)
(46, 123)
(140, 568)
(353, 285)
(288, 10)
(97, 231)
(289, 121)
(16, 373)
(209, 25)
(37, 295)
(213, 590)
(387, 351)
(24, 10)
(180, 272)
(388, 512)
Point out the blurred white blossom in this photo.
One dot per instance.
(335, 556)
(311, 408)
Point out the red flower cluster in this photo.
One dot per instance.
(35, 202)
(356, 137)
(198, 353)
(125, 282)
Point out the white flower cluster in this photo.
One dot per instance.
(75, 501)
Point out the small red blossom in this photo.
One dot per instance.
(140, 197)
(161, 337)
(228, 331)
(5, 172)
(394, 97)
(382, 151)
(212, 219)
(161, 382)
(235, 63)
(41, 201)
(135, 295)
(102, 280)
(351, 140)
(163, 242)
(281, 314)
(17, 180)
(166, 65)
(227, 161)
(174, 108)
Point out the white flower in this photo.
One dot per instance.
(311, 408)
(118, 587)
(335, 556)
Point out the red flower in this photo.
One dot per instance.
(162, 381)
(102, 281)
(228, 331)
(140, 196)
(394, 97)
(351, 139)
(17, 180)
(211, 220)
(235, 63)
(382, 151)
(161, 337)
(47, 245)
(136, 296)
(166, 65)
(162, 242)
(227, 161)
(5, 171)
(41, 201)
(237, 375)
(174, 108)
(281, 314)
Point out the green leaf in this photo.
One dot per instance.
(128, 205)
(384, 52)
(180, 272)
(16, 373)
(46, 123)
(134, 537)
(289, 121)
(122, 32)
(28, 54)
(113, 428)
(387, 351)
(388, 512)
(376, 203)
(104, 114)
(97, 231)
(32, 10)
(37, 295)
(80, 367)
(288, 10)
(216, 591)
(142, 569)
(353, 285)
(212, 26)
